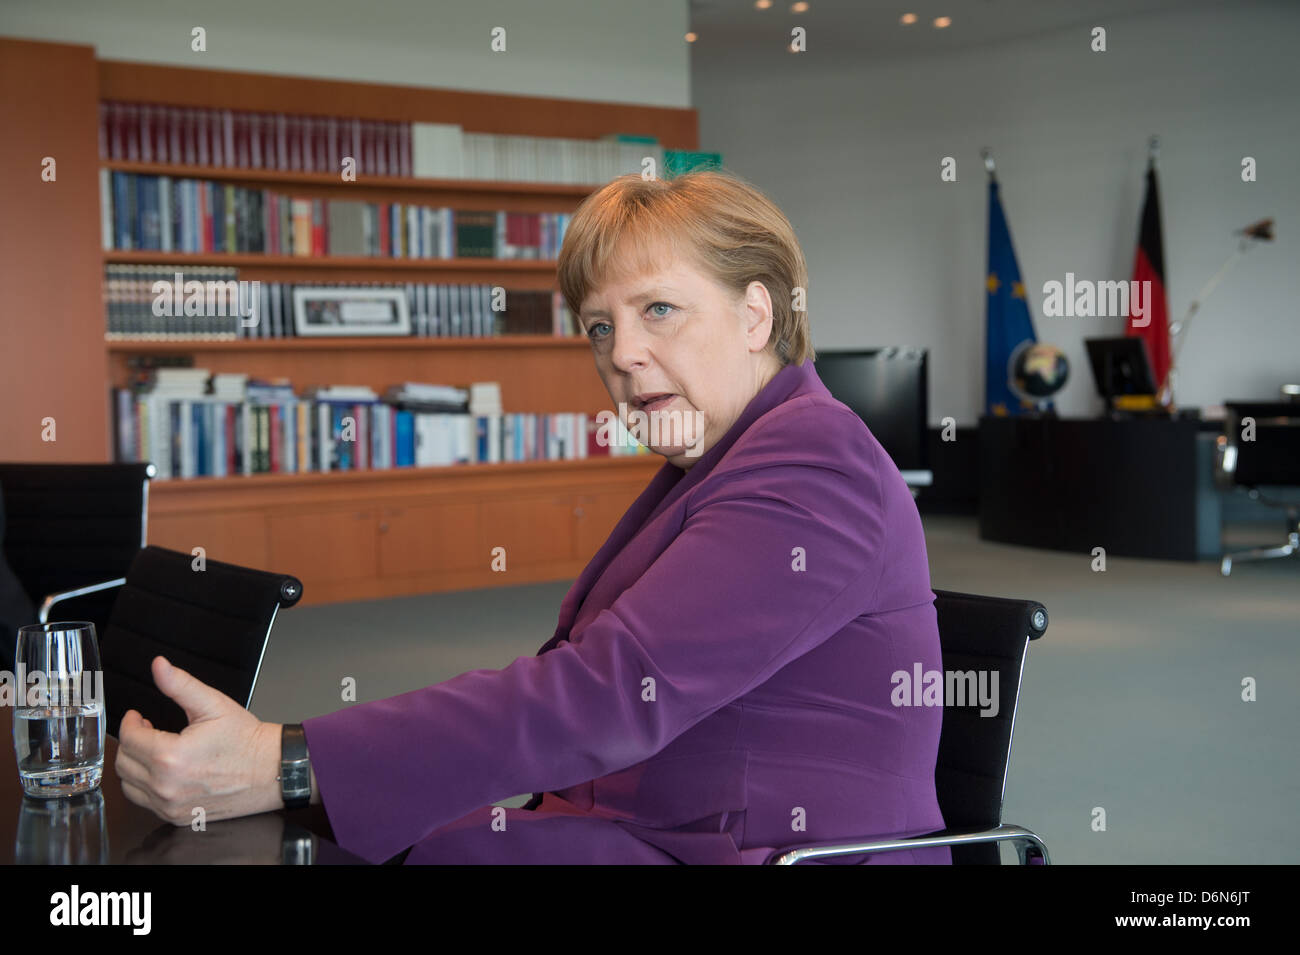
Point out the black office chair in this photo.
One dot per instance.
(72, 531)
(213, 623)
(976, 633)
(1272, 459)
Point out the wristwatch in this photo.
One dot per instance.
(295, 768)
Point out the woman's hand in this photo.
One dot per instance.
(225, 762)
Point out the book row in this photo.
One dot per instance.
(167, 214)
(161, 303)
(208, 437)
(237, 139)
(191, 136)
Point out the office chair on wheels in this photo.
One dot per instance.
(975, 633)
(1270, 458)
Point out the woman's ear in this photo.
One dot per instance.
(756, 310)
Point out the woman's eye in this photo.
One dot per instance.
(661, 314)
(591, 332)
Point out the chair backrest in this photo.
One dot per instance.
(212, 622)
(1272, 457)
(70, 525)
(985, 635)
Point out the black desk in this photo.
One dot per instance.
(1074, 484)
(104, 827)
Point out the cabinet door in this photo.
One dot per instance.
(427, 537)
(323, 547)
(596, 516)
(236, 537)
(533, 529)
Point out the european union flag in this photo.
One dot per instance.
(1007, 321)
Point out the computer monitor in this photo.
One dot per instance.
(1120, 366)
(887, 388)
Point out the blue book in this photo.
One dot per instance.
(405, 450)
(121, 212)
(201, 452)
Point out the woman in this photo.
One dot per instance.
(719, 683)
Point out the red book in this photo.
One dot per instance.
(361, 461)
(294, 128)
(116, 148)
(202, 135)
(317, 227)
(281, 141)
(308, 126)
(404, 148)
(161, 126)
(332, 145)
(232, 450)
(175, 121)
(131, 129)
(146, 133)
(276, 430)
(216, 130)
(254, 140)
(205, 217)
(189, 119)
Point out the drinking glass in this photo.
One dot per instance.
(59, 716)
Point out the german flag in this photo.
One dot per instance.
(1150, 267)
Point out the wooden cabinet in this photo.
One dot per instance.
(380, 534)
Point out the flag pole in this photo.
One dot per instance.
(987, 156)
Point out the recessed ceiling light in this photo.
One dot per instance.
(799, 7)
(941, 22)
(907, 19)
(762, 4)
(691, 38)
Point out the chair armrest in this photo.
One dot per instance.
(964, 837)
(53, 599)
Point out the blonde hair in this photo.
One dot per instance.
(716, 220)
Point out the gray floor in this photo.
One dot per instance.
(1131, 703)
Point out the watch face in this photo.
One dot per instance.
(295, 780)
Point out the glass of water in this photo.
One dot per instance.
(59, 720)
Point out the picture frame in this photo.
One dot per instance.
(350, 311)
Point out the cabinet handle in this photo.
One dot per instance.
(577, 512)
(383, 527)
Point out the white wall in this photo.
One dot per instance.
(851, 151)
(610, 50)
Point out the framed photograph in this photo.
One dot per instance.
(350, 311)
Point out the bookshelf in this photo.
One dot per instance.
(350, 535)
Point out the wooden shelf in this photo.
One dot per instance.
(343, 343)
(508, 469)
(458, 187)
(375, 262)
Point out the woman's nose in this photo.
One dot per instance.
(631, 345)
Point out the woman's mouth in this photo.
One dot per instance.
(654, 404)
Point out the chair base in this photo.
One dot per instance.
(1292, 546)
(1029, 847)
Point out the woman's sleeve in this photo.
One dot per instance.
(771, 561)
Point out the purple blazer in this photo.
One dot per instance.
(719, 683)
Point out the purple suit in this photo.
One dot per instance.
(719, 683)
